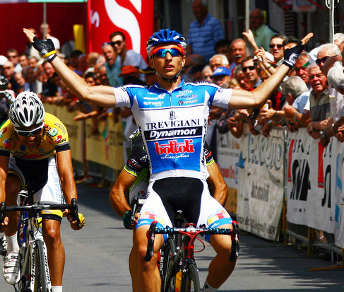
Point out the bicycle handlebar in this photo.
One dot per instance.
(73, 207)
(234, 233)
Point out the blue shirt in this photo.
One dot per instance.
(113, 73)
(204, 37)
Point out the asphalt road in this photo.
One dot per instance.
(97, 257)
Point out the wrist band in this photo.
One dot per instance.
(269, 67)
(49, 54)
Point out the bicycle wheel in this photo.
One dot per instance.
(190, 281)
(24, 283)
(40, 268)
(168, 277)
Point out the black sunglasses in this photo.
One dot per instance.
(244, 69)
(118, 43)
(322, 60)
(278, 46)
(32, 132)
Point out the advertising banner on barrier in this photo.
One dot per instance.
(104, 145)
(337, 178)
(260, 189)
(228, 151)
(310, 195)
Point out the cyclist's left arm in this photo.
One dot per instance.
(216, 180)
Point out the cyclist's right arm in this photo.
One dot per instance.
(117, 197)
(99, 95)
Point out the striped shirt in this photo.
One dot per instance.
(204, 37)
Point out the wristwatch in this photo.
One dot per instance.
(322, 133)
(333, 128)
(311, 127)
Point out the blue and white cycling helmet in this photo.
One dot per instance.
(165, 36)
(26, 110)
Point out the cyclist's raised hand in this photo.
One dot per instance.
(76, 224)
(45, 47)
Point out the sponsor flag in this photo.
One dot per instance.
(133, 18)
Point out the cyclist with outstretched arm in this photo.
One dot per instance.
(172, 116)
(35, 154)
(135, 176)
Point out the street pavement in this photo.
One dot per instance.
(97, 257)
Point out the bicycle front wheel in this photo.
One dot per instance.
(168, 277)
(41, 268)
(190, 281)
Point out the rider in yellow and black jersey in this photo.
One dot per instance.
(55, 139)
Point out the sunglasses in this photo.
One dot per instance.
(174, 51)
(322, 60)
(278, 46)
(118, 43)
(244, 69)
(32, 132)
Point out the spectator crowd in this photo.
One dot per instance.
(311, 96)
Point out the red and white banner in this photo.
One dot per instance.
(132, 17)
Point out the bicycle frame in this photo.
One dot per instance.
(184, 260)
(30, 230)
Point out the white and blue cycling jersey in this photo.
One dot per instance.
(173, 124)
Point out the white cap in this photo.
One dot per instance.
(313, 55)
(3, 60)
(269, 56)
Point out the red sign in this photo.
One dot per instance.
(132, 17)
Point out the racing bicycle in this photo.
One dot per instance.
(35, 276)
(178, 267)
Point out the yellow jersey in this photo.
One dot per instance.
(55, 139)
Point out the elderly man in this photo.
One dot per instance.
(112, 64)
(261, 32)
(239, 75)
(204, 32)
(301, 67)
(326, 56)
(218, 61)
(319, 102)
(221, 76)
(238, 49)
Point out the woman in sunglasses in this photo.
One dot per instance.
(35, 153)
(173, 117)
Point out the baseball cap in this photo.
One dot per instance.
(147, 70)
(221, 71)
(128, 70)
(3, 60)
